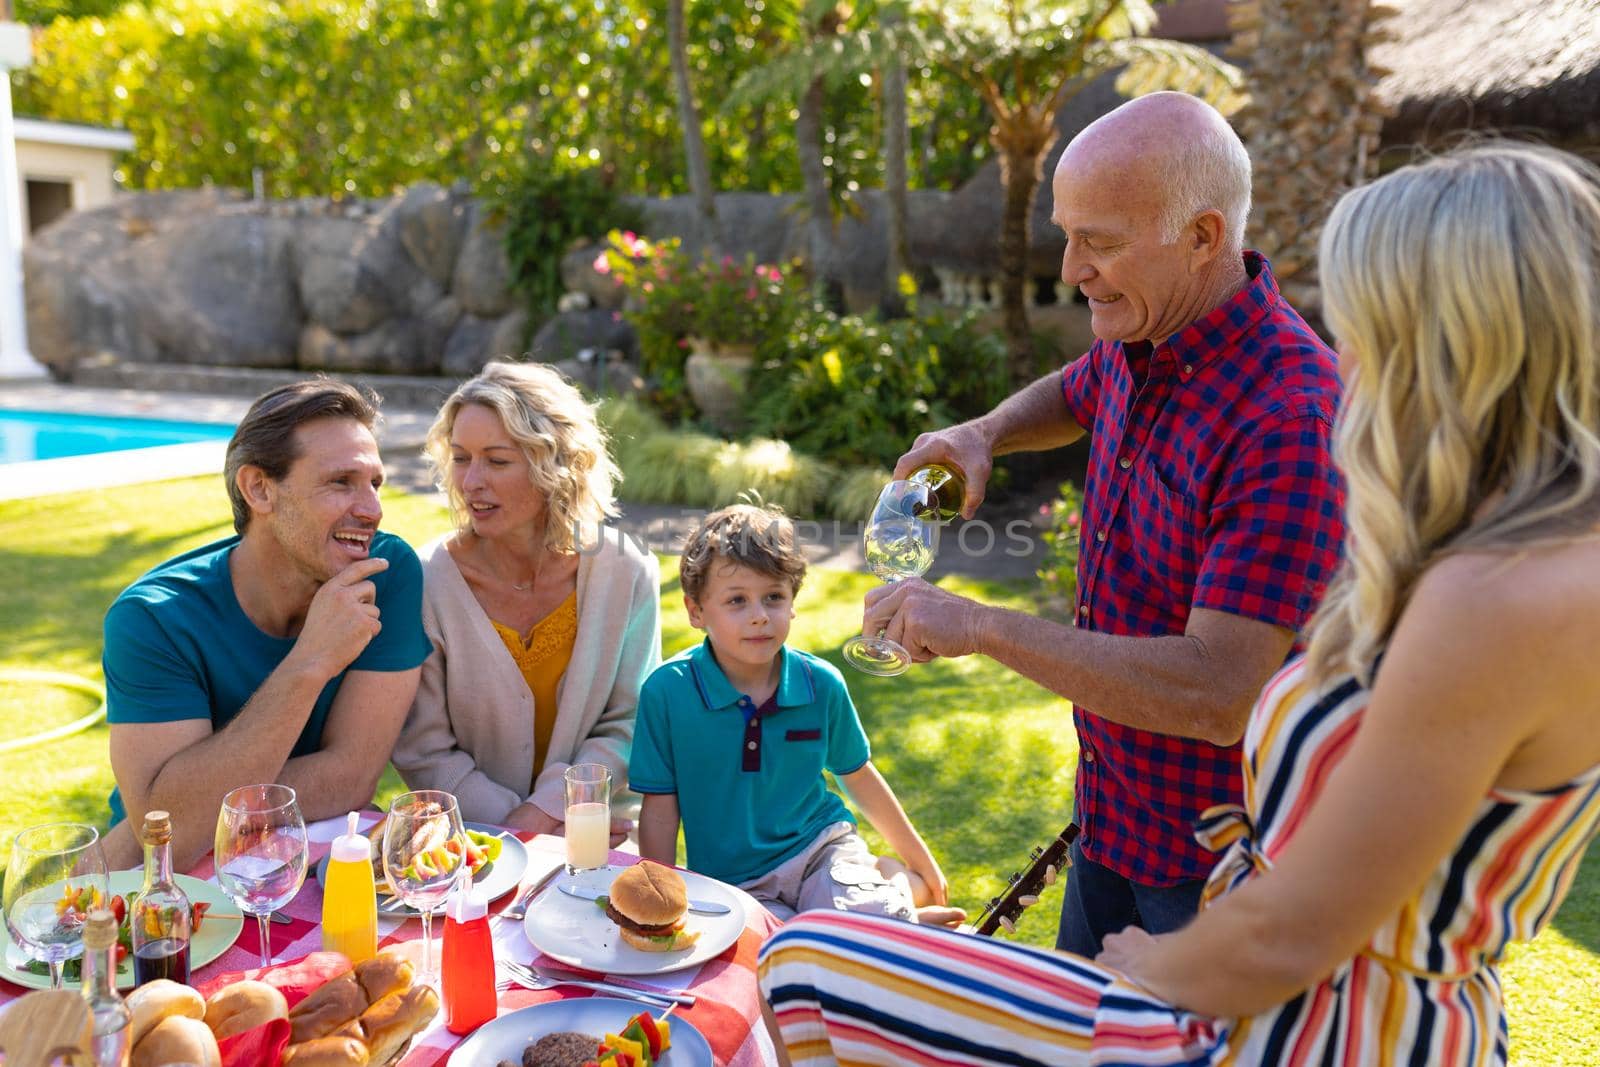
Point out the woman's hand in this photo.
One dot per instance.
(620, 829)
(534, 819)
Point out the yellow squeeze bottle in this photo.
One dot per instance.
(350, 898)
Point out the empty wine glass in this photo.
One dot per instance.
(900, 541)
(57, 873)
(418, 861)
(261, 852)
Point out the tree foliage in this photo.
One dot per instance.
(363, 96)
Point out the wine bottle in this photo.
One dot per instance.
(946, 489)
(113, 1022)
(160, 917)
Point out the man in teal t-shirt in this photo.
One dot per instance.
(288, 653)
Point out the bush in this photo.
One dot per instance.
(1058, 570)
(856, 391)
(673, 297)
(548, 209)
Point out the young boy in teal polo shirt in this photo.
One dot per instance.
(733, 736)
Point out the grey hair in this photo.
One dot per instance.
(1209, 173)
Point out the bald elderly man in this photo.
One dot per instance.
(1211, 513)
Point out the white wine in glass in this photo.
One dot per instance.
(900, 541)
(261, 852)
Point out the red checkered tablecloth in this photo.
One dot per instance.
(727, 1007)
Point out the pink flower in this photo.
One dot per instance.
(649, 287)
(629, 237)
(683, 342)
(727, 261)
(1073, 519)
(602, 264)
(750, 293)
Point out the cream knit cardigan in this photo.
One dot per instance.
(470, 730)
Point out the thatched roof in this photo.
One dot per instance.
(1492, 64)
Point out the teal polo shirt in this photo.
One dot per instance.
(749, 781)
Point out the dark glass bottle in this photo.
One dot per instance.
(160, 917)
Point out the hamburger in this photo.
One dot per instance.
(647, 901)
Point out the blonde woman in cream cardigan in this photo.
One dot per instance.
(543, 626)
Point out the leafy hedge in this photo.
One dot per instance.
(365, 96)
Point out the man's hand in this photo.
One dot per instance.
(343, 617)
(922, 619)
(965, 446)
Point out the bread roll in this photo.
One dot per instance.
(159, 999)
(177, 1039)
(335, 1003)
(327, 1052)
(384, 974)
(390, 1022)
(244, 1006)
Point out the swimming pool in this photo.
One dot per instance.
(26, 436)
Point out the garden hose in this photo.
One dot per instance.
(65, 681)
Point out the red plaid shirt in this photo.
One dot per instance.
(1210, 485)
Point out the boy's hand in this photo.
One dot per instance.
(928, 870)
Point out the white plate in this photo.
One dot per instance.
(494, 881)
(506, 1037)
(577, 931)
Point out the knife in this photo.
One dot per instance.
(703, 907)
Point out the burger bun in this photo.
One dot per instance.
(650, 894)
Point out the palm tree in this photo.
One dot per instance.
(694, 145)
(1312, 123)
(895, 147)
(1027, 60)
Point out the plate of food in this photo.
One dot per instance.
(571, 1033)
(497, 858)
(217, 923)
(639, 921)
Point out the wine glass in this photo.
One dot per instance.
(261, 852)
(418, 861)
(900, 541)
(57, 873)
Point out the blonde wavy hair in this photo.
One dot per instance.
(567, 456)
(1465, 292)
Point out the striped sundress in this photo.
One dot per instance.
(856, 989)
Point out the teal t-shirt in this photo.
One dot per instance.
(178, 645)
(749, 784)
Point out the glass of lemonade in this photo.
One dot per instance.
(588, 817)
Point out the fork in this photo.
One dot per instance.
(518, 909)
(531, 979)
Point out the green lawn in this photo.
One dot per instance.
(982, 761)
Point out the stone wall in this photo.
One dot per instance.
(417, 284)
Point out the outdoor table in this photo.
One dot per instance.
(727, 1009)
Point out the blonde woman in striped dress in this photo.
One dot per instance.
(1420, 788)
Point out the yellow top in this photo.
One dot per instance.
(543, 659)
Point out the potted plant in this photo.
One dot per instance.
(700, 321)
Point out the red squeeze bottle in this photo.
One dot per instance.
(467, 978)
